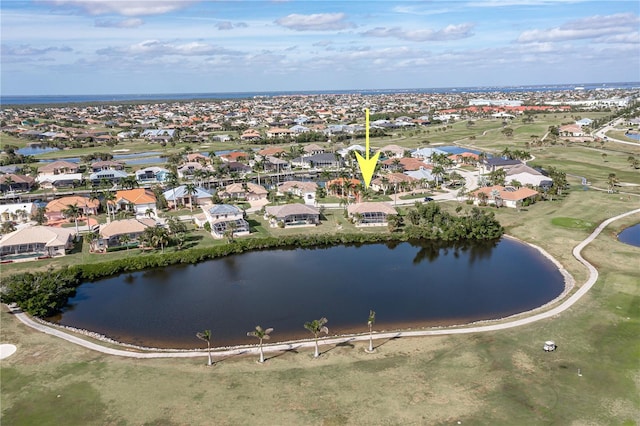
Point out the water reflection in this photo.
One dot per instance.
(417, 282)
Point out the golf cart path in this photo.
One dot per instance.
(570, 301)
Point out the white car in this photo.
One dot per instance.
(549, 346)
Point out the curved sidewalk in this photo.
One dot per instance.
(577, 253)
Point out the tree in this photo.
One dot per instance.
(316, 327)
(73, 212)
(39, 216)
(109, 197)
(8, 181)
(261, 334)
(370, 322)
(7, 227)
(206, 336)
(612, 181)
(190, 189)
(125, 239)
(230, 230)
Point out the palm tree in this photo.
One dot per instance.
(159, 238)
(8, 181)
(316, 327)
(261, 334)
(109, 197)
(370, 322)
(206, 336)
(73, 211)
(125, 239)
(190, 189)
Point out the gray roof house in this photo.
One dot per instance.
(292, 215)
(222, 216)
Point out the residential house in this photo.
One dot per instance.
(528, 176)
(159, 135)
(244, 191)
(298, 129)
(66, 180)
(425, 154)
(571, 130)
(506, 196)
(318, 161)
(403, 164)
(297, 187)
(222, 217)
(292, 215)
(179, 196)
(107, 175)
(138, 200)
(250, 135)
(306, 190)
(14, 182)
(423, 174)
(312, 149)
(188, 169)
(110, 234)
(392, 181)
(196, 157)
(234, 156)
(465, 158)
(370, 213)
(59, 167)
(106, 165)
(275, 164)
(392, 151)
(17, 212)
(54, 209)
(341, 186)
(276, 132)
(234, 166)
(152, 175)
(490, 164)
(38, 241)
(272, 151)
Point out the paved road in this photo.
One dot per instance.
(577, 253)
(602, 133)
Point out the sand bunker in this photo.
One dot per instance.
(6, 350)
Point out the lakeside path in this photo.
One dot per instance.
(577, 253)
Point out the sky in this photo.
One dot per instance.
(70, 47)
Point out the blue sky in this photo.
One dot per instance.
(145, 46)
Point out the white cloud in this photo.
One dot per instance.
(159, 48)
(27, 50)
(119, 23)
(450, 32)
(125, 8)
(597, 28)
(228, 25)
(315, 22)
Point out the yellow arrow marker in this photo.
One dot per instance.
(367, 165)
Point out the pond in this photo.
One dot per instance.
(631, 235)
(408, 285)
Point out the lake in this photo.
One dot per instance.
(408, 285)
(631, 235)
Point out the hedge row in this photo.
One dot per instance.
(46, 293)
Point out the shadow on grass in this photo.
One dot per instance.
(280, 353)
(219, 360)
(397, 336)
(346, 344)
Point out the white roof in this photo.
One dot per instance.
(48, 235)
(56, 178)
